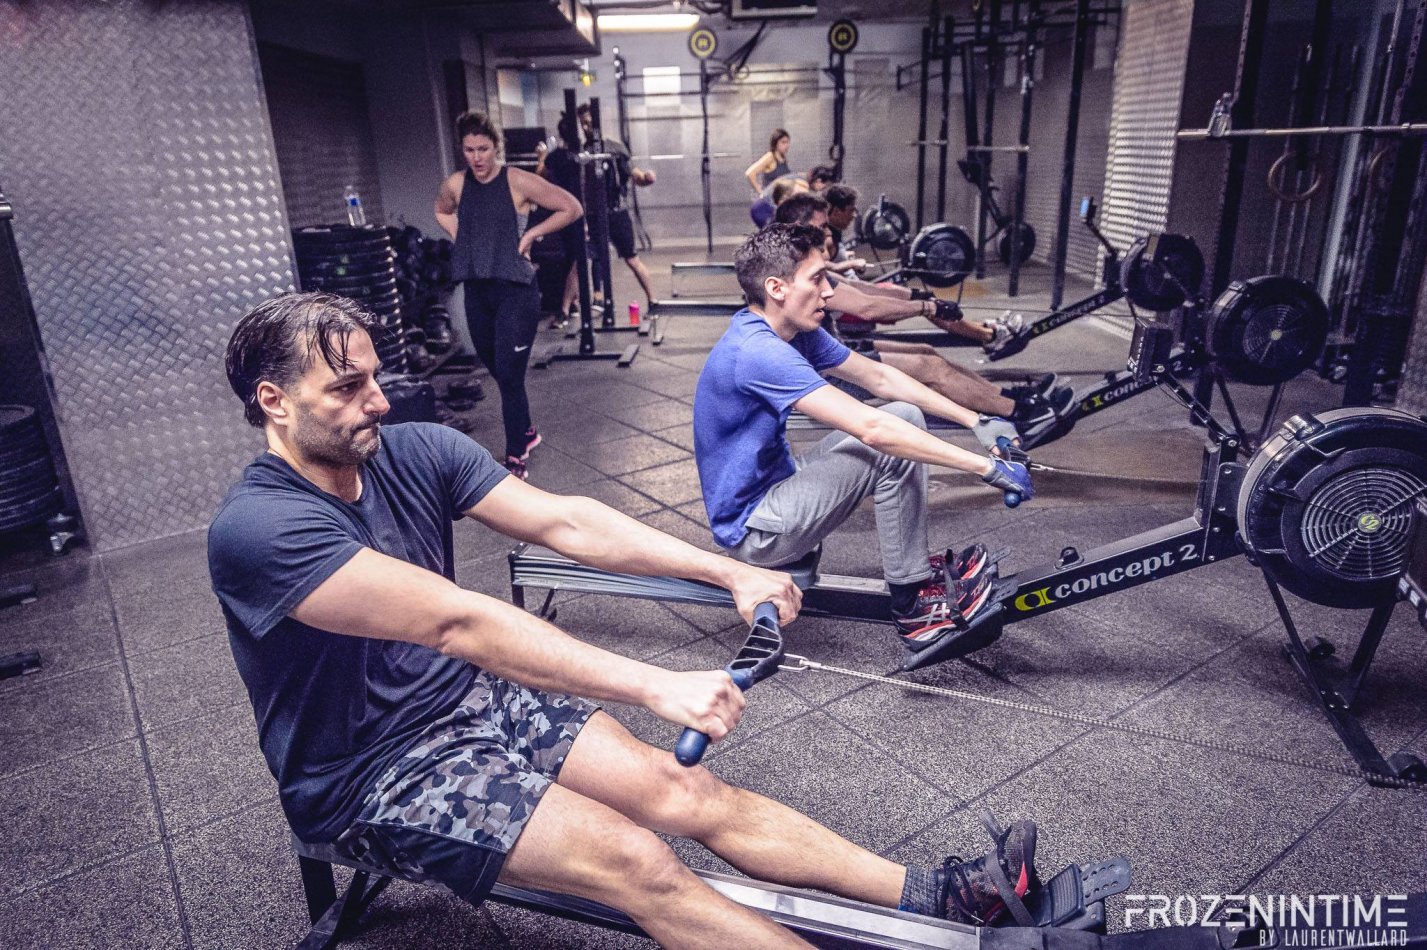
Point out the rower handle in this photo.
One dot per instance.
(692, 744)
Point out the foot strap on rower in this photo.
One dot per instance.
(993, 868)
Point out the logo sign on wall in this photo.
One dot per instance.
(703, 42)
(842, 36)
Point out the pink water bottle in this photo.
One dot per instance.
(634, 313)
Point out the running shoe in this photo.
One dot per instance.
(1035, 410)
(532, 439)
(970, 562)
(970, 892)
(517, 468)
(1038, 385)
(938, 611)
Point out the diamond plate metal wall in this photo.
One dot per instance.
(149, 217)
(318, 109)
(1144, 115)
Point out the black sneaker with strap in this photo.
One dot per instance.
(982, 891)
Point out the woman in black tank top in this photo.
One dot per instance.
(483, 208)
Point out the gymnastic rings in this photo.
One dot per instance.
(1278, 171)
(1376, 165)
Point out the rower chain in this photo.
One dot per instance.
(800, 664)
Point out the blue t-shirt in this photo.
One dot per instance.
(746, 390)
(334, 711)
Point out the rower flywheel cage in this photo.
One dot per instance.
(1161, 271)
(1326, 504)
(941, 255)
(1266, 330)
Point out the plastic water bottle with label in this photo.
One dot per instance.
(356, 217)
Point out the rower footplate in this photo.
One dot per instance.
(980, 632)
(1075, 898)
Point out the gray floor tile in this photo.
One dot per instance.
(407, 916)
(490, 575)
(633, 454)
(61, 584)
(73, 813)
(1196, 822)
(162, 617)
(181, 682)
(621, 497)
(653, 416)
(561, 473)
(126, 903)
(681, 435)
(78, 638)
(1358, 849)
(239, 882)
(960, 747)
(209, 765)
(672, 523)
(158, 565)
(44, 721)
(1252, 694)
(672, 484)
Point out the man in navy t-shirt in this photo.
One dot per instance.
(436, 732)
(771, 509)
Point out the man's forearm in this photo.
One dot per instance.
(879, 309)
(520, 647)
(897, 386)
(896, 436)
(601, 537)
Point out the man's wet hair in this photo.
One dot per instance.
(775, 251)
(841, 197)
(280, 340)
(800, 209)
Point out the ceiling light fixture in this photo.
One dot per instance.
(647, 22)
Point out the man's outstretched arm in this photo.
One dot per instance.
(385, 598)
(595, 534)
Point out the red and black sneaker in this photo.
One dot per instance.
(970, 562)
(937, 611)
(532, 439)
(978, 892)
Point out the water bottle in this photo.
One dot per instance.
(356, 217)
(634, 313)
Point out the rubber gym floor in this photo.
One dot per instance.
(139, 813)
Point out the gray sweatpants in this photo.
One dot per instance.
(832, 479)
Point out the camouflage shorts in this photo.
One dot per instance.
(450, 809)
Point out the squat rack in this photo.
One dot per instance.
(997, 24)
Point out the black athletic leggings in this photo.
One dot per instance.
(503, 318)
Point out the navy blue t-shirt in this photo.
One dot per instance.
(746, 391)
(333, 710)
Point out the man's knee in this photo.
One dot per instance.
(645, 863)
(907, 413)
(687, 797)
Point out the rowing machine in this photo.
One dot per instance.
(1159, 272)
(1072, 900)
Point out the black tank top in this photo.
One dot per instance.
(488, 233)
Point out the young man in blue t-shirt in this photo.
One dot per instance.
(435, 731)
(769, 508)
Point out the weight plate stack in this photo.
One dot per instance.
(1326, 504)
(941, 255)
(1266, 330)
(1028, 244)
(29, 488)
(359, 263)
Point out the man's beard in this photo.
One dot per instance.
(337, 448)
